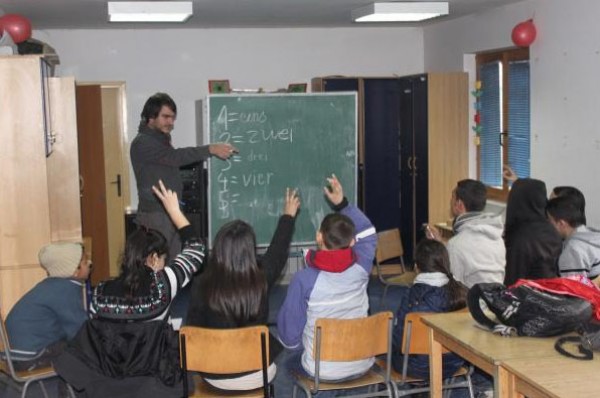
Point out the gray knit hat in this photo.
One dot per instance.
(61, 259)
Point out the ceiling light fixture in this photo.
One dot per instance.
(149, 11)
(400, 11)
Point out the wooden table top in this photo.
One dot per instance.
(556, 376)
(462, 329)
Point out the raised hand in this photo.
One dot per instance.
(509, 174)
(334, 191)
(170, 201)
(292, 202)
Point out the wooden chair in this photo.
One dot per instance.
(416, 341)
(225, 351)
(21, 380)
(342, 340)
(389, 247)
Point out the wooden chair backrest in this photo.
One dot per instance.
(224, 351)
(389, 245)
(419, 334)
(344, 340)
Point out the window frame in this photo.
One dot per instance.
(504, 57)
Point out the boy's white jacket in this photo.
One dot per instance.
(314, 294)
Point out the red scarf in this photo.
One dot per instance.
(331, 260)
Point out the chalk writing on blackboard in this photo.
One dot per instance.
(294, 140)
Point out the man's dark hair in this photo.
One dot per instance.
(338, 231)
(154, 104)
(472, 193)
(567, 208)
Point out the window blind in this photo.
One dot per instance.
(518, 118)
(490, 150)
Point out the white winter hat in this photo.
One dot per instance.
(61, 259)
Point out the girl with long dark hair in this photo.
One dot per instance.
(232, 291)
(146, 287)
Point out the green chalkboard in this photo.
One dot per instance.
(285, 140)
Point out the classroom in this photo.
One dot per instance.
(133, 63)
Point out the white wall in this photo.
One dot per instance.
(565, 83)
(180, 62)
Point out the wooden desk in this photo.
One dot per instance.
(555, 376)
(457, 332)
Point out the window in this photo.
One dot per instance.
(504, 111)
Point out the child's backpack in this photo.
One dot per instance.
(527, 310)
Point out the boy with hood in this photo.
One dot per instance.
(334, 285)
(581, 244)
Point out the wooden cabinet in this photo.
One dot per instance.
(39, 201)
(413, 146)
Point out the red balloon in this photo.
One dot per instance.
(523, 34)
(17, 26)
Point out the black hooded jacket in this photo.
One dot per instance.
(532, 244)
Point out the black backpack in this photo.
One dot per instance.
(527, 311)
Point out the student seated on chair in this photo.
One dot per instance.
(233, 290)
(477, 252)
(53, 311)
(434, 290)
(128, 348)
(334, 285)
(147, 285)
(581, 245)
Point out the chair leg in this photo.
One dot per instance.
(28, 383)
(71, 391)
(385, 289)
(470, 385)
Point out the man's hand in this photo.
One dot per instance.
(222, 150)
(334, 190)
(292, 202)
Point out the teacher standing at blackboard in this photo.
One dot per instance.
(153, 158)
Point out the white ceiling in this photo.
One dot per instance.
(92, 14)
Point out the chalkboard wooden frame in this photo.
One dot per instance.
(323, 124)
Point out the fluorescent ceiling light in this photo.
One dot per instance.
(149, 11)
(400, 12)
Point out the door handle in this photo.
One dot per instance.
(415, 163)
(118, 182)
(408, 163)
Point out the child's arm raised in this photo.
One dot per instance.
(171, 203)
(366, 236)
(276, 256)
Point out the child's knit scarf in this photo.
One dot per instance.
(331, 260)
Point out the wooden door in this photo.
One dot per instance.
(102, 163)
(91, 167)
(116, 169)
